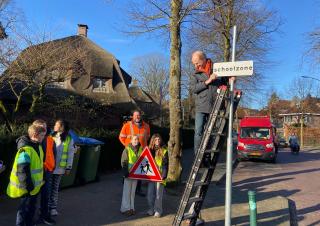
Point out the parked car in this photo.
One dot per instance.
(283, 143)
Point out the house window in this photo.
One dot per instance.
(56, 85)
(307, 119)
(102, 85)
(288, 119)
(99, 83)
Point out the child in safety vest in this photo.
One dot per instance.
(129, 156)
(26, 177)
(155, 189)
(65, 149)
(48, 147)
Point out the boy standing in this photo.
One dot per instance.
(26, 177)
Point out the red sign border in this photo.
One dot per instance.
(146, 153)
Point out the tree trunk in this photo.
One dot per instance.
(227, 34)
(36, 98)
(174, 144)
(6, 117)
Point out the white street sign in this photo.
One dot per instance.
(237, 68)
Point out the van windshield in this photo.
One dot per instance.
(255, 132)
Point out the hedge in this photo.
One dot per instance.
(110, 152)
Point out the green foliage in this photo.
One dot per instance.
(18, 130)
(110, 152)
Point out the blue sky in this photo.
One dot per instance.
(104, 20)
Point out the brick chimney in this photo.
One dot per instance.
(135, 82)
(83, 29)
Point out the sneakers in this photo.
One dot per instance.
(132, 212)
(54, 212)
(157, 214)
(129, 213)
(150, 212)
(49, 221)
(198, 222)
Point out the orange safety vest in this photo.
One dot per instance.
(130, 128)
(49, 163)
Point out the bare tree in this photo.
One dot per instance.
(212, 32)
(165, 18)
(38, 65)
(313, 53)
(151, 71)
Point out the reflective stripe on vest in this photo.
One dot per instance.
(64, 155)
(18, 188)
(139, 134)
(132, 157)
(158, 160)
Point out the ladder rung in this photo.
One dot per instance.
(206, 168)
(223, 116)
(189, 216)
(195, 199)
(218, 133)
(200, 183)
(211, 151)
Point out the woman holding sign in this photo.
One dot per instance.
(129, 156)
(155, 189)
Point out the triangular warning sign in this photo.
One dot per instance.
(145, 168)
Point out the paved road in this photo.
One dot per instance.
(293, 176)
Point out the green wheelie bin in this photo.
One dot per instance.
(69, 180)
(89, 160)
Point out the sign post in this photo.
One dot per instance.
(234, 68)
(228, 199)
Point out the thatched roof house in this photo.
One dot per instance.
(96, 74)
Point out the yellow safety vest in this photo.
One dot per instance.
(64, 156)
(132, 157)
(18, 188)
(158, 160)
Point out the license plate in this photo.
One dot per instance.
(255, 154)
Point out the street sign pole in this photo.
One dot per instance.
(228, 199)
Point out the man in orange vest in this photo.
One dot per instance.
(135, 127)
(139, 128)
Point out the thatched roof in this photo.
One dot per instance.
(98, 62)
(139, 95)
(95, 62)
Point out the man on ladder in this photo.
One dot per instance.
(204, 85)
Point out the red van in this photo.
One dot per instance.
(257, 139)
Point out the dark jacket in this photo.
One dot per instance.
(23, 169)
(205, 95)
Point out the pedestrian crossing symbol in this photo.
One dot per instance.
(145, 168)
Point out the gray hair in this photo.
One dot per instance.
(199, 53)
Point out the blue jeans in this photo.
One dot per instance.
(26, 210)
(200, 122)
